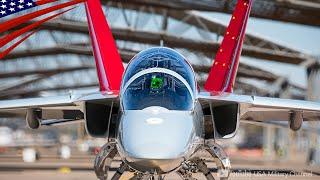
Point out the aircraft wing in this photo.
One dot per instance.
(264, 109)
(56, 109)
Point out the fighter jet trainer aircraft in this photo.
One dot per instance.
(152, 114)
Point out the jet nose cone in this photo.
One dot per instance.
(156, 135)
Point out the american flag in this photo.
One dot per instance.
(8, 7)
(26, 22)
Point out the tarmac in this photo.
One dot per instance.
(81, 167)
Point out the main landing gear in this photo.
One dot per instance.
(198, 165)
(103, 162)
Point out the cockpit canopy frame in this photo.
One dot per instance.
(158, 77)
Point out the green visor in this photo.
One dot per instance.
(156, 82)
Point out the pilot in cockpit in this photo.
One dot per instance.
(158, 77)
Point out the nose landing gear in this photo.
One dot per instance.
(107, 153)
(145, 176)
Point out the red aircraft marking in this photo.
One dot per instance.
(223, 71)
(107, 58)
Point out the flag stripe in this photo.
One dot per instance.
(8, 50)
(41, 2)
(17, 33)
(22, 19)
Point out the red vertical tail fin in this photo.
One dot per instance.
(106, 55)
(223, 72)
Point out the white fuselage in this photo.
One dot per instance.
(159, 140)
(161, 122)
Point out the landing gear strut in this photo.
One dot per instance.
(221, 158)
(196, 164)
(103, 160)
(123, 167)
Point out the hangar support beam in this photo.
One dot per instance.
(155, 38)
(244, 70)
(298, 11)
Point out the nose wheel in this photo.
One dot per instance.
(146, 176)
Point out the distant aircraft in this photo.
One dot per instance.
(152, 113)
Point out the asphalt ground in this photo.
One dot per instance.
(80, 166)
